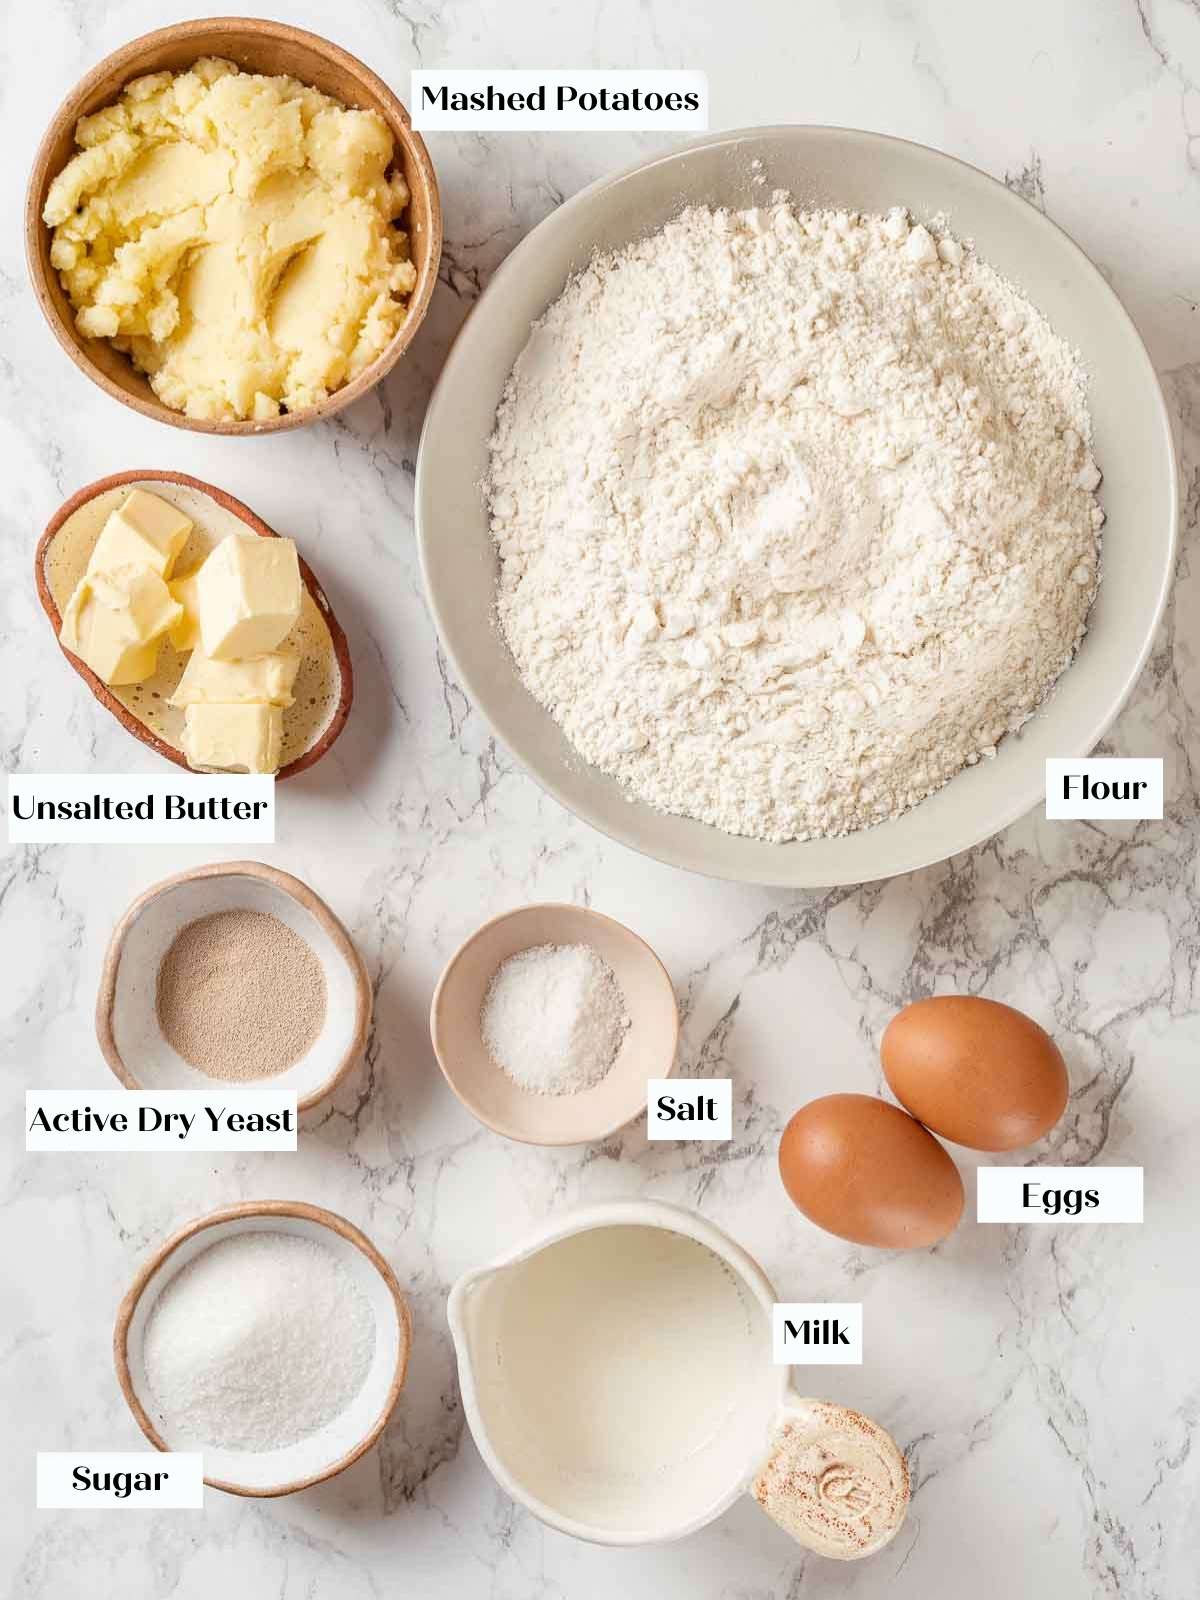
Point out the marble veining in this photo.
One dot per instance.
(1043, 1381)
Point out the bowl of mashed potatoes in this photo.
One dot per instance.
(232, 227)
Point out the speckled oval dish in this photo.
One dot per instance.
(499, 1101)
(331, 1449)
(324, 688)
(849, 169)
(126, 1020)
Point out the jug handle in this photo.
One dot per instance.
(833, 1479)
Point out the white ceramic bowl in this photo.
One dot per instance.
(332, 1448)
(126, 1022)
(860, 171)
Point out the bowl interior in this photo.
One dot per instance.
(273, 49)
(262, 1471)
(148, 1057)
(818, 167)
(318, 688)
(647, 1052)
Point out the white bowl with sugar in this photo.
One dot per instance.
(272, 1337)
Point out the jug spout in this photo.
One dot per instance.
(462, 1313)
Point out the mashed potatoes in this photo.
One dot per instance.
(235, 235)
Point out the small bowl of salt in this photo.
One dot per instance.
(272, 1337)
(548, 1022)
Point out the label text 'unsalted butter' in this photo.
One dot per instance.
(112, 808)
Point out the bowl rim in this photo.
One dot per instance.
(437, 1006)
(134, 725)
(124, 58)
(1025, 798)
(236, 1213)
(297, 890)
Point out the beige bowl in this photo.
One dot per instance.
(489, 1093)
(126, 1022)
(273, 48)
(331, 1449)
(864, 172)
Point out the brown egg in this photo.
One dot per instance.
(866, 1171)
(975, 1071)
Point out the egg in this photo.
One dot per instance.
(975, 1071)
(868, 1172)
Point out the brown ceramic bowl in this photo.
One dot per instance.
(334, 651)
(272, 48)
(499, 1101)
(267, 1473)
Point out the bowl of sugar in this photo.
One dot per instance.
(548, 1021)
(233, 974)
(270, 1336)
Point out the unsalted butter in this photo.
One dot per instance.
(247, 596)
(259, 680)
(244, 738)
(114, 621)
(185, 635)
(143, 530)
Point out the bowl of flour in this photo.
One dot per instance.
(787, 501)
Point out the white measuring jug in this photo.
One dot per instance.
(617, 1377)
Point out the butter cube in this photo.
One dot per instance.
(185, 635)
(142, 530)
(114, 621)
(243, 737)
(247, 596)
(261, 680)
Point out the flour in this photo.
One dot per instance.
(795, 515)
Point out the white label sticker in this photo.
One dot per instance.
(114, 808)
(1105, 786)
(818, 1334)
(689, 1108)
(1059, 1194)
(115, 1480)
(160, 1119)
(572, 100)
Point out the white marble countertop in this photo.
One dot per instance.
(1044, 1381)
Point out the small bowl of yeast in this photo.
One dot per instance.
(130, 1025)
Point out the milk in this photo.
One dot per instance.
(623, 1375)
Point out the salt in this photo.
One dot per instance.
(258, 1342)
(554, 1018)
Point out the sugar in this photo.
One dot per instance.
(554, 1018)
(259, 1341)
